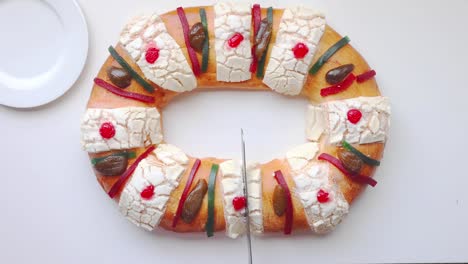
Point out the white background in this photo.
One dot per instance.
(54, 211)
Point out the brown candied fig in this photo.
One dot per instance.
(350, 161)
(197, 37)
(338, 74)
(279, 200)
(118, 76)
(112, 166)
(262, 38)
(194, 201)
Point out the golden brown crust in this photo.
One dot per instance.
(271, 222)
(100, 98)
(198, 224)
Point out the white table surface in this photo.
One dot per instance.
(54, 211)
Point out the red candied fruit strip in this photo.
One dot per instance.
(256, 19)
(185, 193)
(338, 88)
(254, 64)
(354, 177)
(124, 177)
(289, 205)
(192, 54)
(365, 76)
(113, 89)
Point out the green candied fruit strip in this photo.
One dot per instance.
(129, 155)
(209, 227)
(327, 55)
(206, 45)
(261, 62)
(361, 155)
(146, 85)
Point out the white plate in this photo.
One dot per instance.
(43, 50)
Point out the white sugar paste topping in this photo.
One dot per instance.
(299, 156)
(164, 177)
(254, 183)
(322, 217)
(233, 186)
(134, 127)
(232, 64)
(285, 74)
(171, 70)
(372, 127)
(170, 154)
(315, 122)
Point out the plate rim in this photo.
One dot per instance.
(76, 46)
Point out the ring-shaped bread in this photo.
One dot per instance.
(294, 53)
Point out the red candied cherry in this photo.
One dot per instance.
(238, 203)
(148, 192)
(107, 130)
(235, 40)
(152, 54)
(354, 115)
(322, 196)
(300, 50)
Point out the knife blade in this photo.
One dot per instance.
(246, 194)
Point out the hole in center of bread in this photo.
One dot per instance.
(207, 124)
